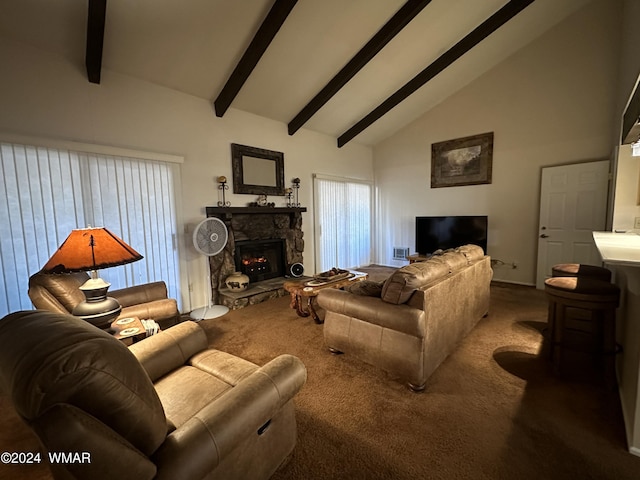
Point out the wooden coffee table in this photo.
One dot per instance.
(304, 293)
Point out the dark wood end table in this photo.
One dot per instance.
(128, 330)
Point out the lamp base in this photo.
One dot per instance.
(97, 309)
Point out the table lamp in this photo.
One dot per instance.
(88, 249)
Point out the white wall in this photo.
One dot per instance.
(46, 96)
(551, 103)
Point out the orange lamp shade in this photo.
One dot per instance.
(90, 249)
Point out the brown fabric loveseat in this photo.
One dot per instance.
(61, 293)
(423, 311)
(169, 407)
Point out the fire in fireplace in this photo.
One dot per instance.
(260, 259)
(256, 264)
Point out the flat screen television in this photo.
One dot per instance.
(434, 233)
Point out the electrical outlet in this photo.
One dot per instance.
(636, 223)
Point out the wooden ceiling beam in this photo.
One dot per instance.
(481, 32)
(401, 18)
(95, 38)
(261, 41)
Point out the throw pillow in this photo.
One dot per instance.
(365, 288)
(472, 252)
(456, 261)
(399, 287)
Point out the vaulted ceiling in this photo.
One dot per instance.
(333, 66)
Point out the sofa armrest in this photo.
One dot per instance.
(403, 318)
(137, 294)
(159, 310)
(169, 349)
(198, 446)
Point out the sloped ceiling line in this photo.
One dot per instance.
(95, 38)
(261, 41)
(481, 32)
(401, 18)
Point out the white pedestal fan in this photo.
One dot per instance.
(209, 238)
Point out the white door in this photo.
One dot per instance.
(573, 204)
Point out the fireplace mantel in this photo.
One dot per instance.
(228, 212)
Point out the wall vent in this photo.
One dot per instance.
(400, 253)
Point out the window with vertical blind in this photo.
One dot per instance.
(343, 222)
(46, 192)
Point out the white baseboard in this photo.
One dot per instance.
(628, 426)
(634, 451)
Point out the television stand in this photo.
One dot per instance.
(417, 257)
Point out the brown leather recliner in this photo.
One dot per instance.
(167, 408)
(61, 293)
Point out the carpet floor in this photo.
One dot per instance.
(492, 410)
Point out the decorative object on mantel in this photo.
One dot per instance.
(463, 161)
(237, 282)
(222, 180)
(288, 192)
(295, 185)
(257, 171)
(262, 202)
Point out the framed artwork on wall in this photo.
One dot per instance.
(463, 161)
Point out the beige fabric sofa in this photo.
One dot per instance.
(423, 311)
(167, 408)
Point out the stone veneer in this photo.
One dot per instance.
(254, 223)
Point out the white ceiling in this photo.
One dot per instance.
(193, 46)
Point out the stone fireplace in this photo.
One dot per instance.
(263, 243)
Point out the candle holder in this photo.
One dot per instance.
(288, 193)
(295, 185)
(223, 186)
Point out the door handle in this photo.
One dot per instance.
(544, 235)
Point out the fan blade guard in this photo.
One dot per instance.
(210, 236)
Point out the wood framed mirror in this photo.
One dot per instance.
(257, 171)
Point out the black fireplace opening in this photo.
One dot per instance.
(260, 259)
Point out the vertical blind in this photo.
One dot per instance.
(343, 223)
(47, 192)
